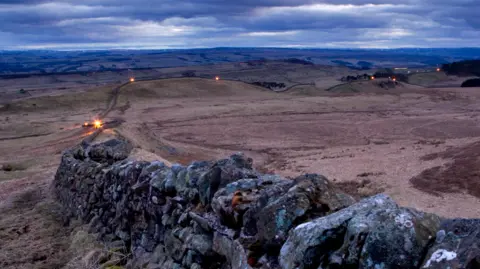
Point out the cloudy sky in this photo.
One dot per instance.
(91, 24)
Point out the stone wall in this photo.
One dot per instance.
(224, 214)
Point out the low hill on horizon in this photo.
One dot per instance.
(463, 68)
(58, 62)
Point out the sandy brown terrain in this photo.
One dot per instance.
(379, 137)
(399, 141)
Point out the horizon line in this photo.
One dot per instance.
(223, 47)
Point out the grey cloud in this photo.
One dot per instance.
(242, 23)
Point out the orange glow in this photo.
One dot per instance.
(372, 77)
(217, 78)
(132, 79)
(85, 124)
(394, 79)
(87, 134)
(97, 124)
(438, 69)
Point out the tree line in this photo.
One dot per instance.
(463, 68)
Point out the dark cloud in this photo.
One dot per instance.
(200, 23)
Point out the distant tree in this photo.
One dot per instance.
(401, 77)
(269, 85)
(463, 68)
(380, 74)
(385, 73)
(475, 82)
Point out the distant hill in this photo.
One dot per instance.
(463, 68)
(471, 83)
(298, 61)
(59, 62)
(361, 65)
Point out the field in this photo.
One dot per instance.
(81, 62)
(436, 80)
(416, 144)
(290, 74)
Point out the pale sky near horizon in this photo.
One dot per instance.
(103, 24)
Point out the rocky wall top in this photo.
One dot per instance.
(224, 214)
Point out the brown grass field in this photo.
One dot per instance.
(418, 145)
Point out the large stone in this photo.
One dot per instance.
(196, 266)
(232, 250)
(321, 192)
(201, 243)
(247, 192)
(194, 171)
(174, 246)
(457, 245)
(222, 173)
(283, 205)
(159, 255)
(397, 238)
(159, 177)
(316, 236)
(110, 151)
(374, 233)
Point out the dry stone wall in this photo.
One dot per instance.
(224, 214)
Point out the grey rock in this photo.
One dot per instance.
(321, 192)
(188, 259)
(184, 219)
(203, 222)
(195, 171)
(111, 150)
(277, 207)
(185, 233)
(373, 233)
(232, 250)
(159, 255)
(170, 180)
(124, 235)
(174, 247)
(398, 238)
(158, 178)
(172, 264)
(195, 266)
(457, 245)
(149, 169)
(191, 195)
(200, 243)
(94, 224)
(167, 220)
(180, 183)
(222, 173)
(314, 234)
